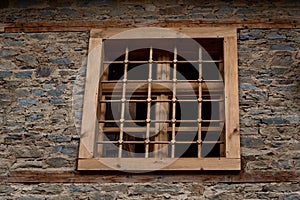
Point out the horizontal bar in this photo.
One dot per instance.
(162, 62)
(162, 121)
(160, 142)
(162, 87)
(161, 100)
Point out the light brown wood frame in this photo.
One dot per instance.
(232, 159)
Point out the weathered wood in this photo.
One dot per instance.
(87, 25)
(163, 177)
(89, 115)
(231, 98)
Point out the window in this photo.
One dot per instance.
(159, 99)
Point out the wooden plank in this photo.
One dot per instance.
(165, 164)
(256, 176)
(88, 25)
(231, 98)
(89, 116)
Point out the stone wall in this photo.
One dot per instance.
(41, 88)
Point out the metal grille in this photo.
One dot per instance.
(165, 111)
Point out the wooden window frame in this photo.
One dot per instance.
(232, 159)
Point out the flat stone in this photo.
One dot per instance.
(7, 53)
(56, 162)
(7, 65)
(5, 74)
(27, 102)
(282, 60)
(21, 92)
(43, 71)
(283, 47)
(26, 58)
(251, 142)
(24, 74)
(27, 152)
(60, 61)
(28, 164)
(276, 36)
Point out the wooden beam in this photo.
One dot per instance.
(87, 25)
(259, 176)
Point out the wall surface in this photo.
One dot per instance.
(42, 84)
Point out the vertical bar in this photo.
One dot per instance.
(148, 120)
(174, 103)
(200, 80)
(123, 101)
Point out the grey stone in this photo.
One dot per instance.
(7, 53)
(30, 198)
(57, 101)
(70, 149)
(57, 138)
(26, 58)
(11, 137)
(68, 11)
(81, 189)
(14, 43)
(248, 87)
(276, 36)
(7, 65)
(37, 92)
(27, 102)
(28, 164)
(21, 93)
(282, 60)
(38, 36)
(27, 152)
(6, 189)
(34, 117)
(47, 189)
(105, 196)
(55, 93)
(5, 74)
(275, 120)
(25, 74)
(60, 61)
(150, 7)
(56, 162)
(251, 142)
(283, 47)
(43, 71)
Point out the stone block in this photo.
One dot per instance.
(5, 74)
(282, 47)
(56, 162)
(27, 102)
(7, 53)
(60, 61)
(27, 152)
(24, 74)
(26, 58)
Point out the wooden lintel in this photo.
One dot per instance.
(118, 177)
(87, 25)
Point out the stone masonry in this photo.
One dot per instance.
(42, 84)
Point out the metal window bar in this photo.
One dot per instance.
(199, 141)
(174, 103)
(122, 118)
(148, 120)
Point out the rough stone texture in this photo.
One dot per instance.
(284, 191)
(42, 81)
(142, 11)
